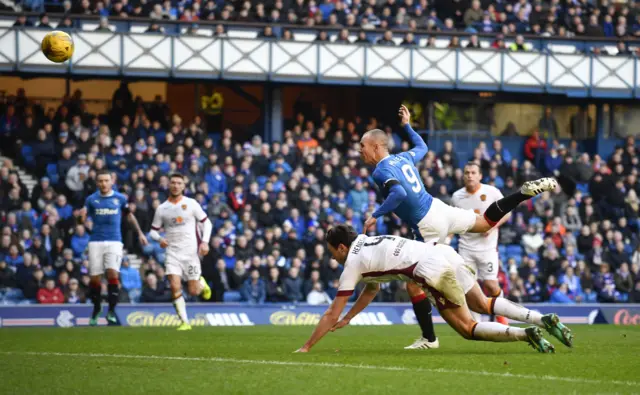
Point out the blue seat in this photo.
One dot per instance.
(514, 250)
(232, 296)
(27, 155)
(52, 173)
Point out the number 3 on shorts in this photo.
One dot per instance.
(490, 267)
(411, 176)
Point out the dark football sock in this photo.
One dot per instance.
(422, 310)
(113, 293)
(94, 294)
(504, 206)
(566, 183)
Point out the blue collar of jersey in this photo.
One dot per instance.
(383, 159)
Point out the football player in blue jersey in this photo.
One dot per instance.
(430, 219)
(106, 208)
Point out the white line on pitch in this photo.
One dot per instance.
(328, 365)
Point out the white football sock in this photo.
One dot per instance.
(507, 308)
(495, 332)
(181, 308)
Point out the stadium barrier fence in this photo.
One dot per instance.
(280, 314)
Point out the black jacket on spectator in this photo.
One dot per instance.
(275, 292)
(160, 294)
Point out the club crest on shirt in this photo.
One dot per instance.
(184, 207)
(483, 197)
(476, 211)
(115, 201)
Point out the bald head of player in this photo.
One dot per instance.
(176, 185)
(339, 240)
(374, 146)
(472, 176)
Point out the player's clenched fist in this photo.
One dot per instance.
(405, 115)
(203, 249)
(164, 243)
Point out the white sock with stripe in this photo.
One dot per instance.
(507, 308)
(495, 332)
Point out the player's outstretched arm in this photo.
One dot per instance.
(368, 294)
(396, 196)
(134, 222)
(420, 148)
(328, 320)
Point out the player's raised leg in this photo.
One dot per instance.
(422, 309)
(502, 207)
(500, 306)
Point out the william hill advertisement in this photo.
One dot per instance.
(163, 315)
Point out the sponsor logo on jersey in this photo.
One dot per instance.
(177, 221)
(147, 318)
(483, 197)
(106, 211)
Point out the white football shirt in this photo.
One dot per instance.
(181, 222)
(478, 202)
(380, 259)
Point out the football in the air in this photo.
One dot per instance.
(57, 46)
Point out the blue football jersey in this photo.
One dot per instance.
(106, 213)
(401, 167)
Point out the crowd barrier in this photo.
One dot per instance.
(278, 314)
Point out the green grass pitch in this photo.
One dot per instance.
(259, 360)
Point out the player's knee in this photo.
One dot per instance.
(467, 329)
(481, 225)
(193, 290)
(414, 289)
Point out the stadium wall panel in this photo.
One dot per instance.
(280, 314)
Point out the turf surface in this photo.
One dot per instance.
(353, 360)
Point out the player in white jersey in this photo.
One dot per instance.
(450, 284)
(188, 231)
(480, 250)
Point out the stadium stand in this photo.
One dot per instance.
(271, 204)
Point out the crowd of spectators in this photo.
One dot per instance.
(271, 205)
(553, 18)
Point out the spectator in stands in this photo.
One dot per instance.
(254, 289)
(130, 280)
(473, 41)
(154, 291)
(409, 40)
(317, 295)
(386, 39)
(535, 148)
(561, 295)
(454, 43)
(293, 286)
(74, 294)
(22, 21)
(548, 125)
(50, 294)
(44, 22)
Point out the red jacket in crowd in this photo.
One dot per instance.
(533, 144)
(50, 296)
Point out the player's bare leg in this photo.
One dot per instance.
(478, 302)
(178, 301)
(492, 289)
(422, 310)
(199, 288)
(502, 207)
(459, 318)
(95, 289)
(113, 293)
